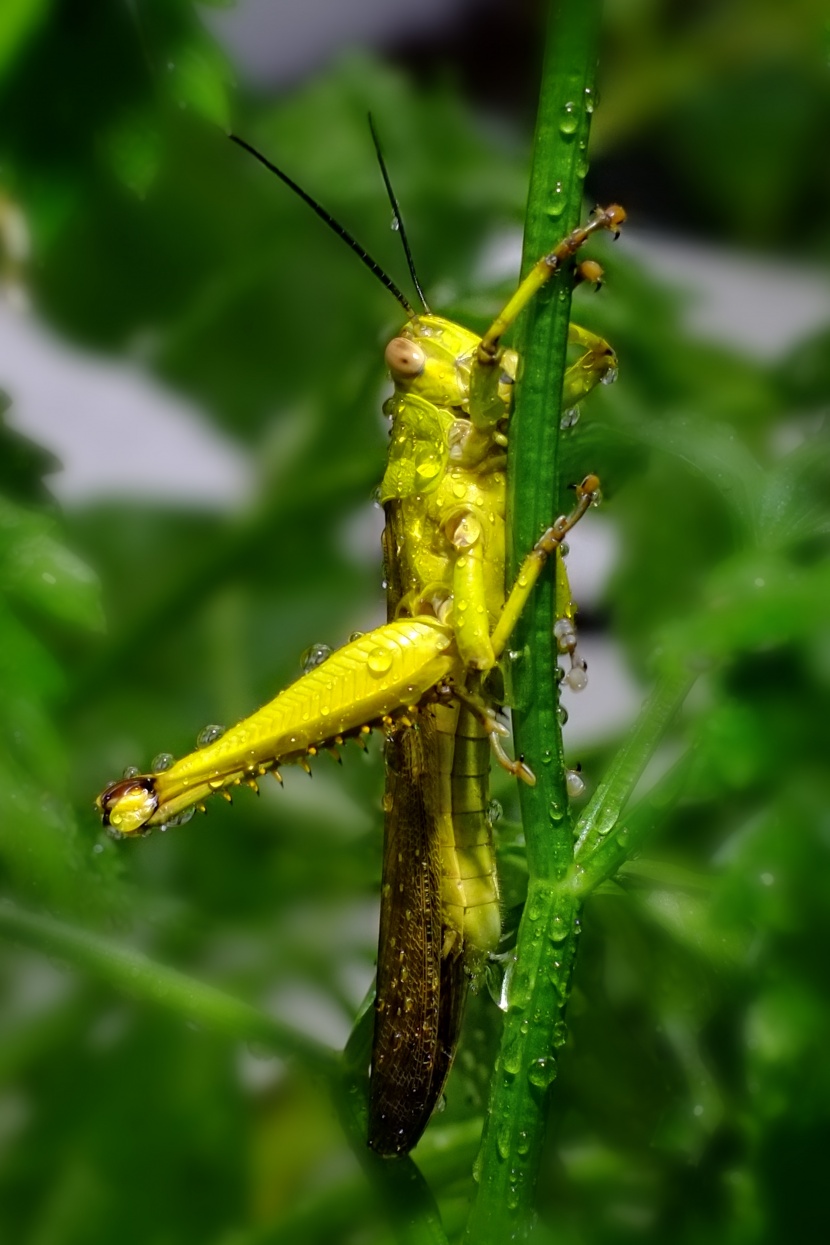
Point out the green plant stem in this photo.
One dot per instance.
(546, 946)
(135, 974)
(632, 830)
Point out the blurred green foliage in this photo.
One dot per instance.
(693, 1096)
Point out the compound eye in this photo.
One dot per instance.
(404, 359)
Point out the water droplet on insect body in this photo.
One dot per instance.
(162, 762)
(577, 678)
(575, 783)
(494, 813)
(314, 656)
(609, 377)
(570, 418)
(178, 819)
(209, 735)
(132, 771)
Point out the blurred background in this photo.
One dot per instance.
(190, 440)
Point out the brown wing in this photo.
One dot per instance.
(420, 992)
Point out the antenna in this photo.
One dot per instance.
(396, 211)
(332, 223)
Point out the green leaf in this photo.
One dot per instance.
(36, 568)
(133, 150)
(26, 667)
(19, 19)
(198, 78)
(753, 601)
(688, 919)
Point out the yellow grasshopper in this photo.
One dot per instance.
(419, 678)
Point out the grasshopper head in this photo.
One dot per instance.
(431, 357)
(128, 804)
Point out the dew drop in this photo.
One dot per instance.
(379, 661)
(132, 771)
(494, 813)
(609, 377)
(570, 119)
(570, 418)
(542, 1072)
(209, 735)
(577, 678)
(574, 783)
(314, 656)
(180, 819)
(557, 201)
(162, 762)
(511, 1060)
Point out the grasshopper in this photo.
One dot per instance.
(420, 677)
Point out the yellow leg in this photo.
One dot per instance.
(604, 218)
(596, 366)
(487, 401)
(587, 494)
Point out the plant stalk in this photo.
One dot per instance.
(540, 979)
